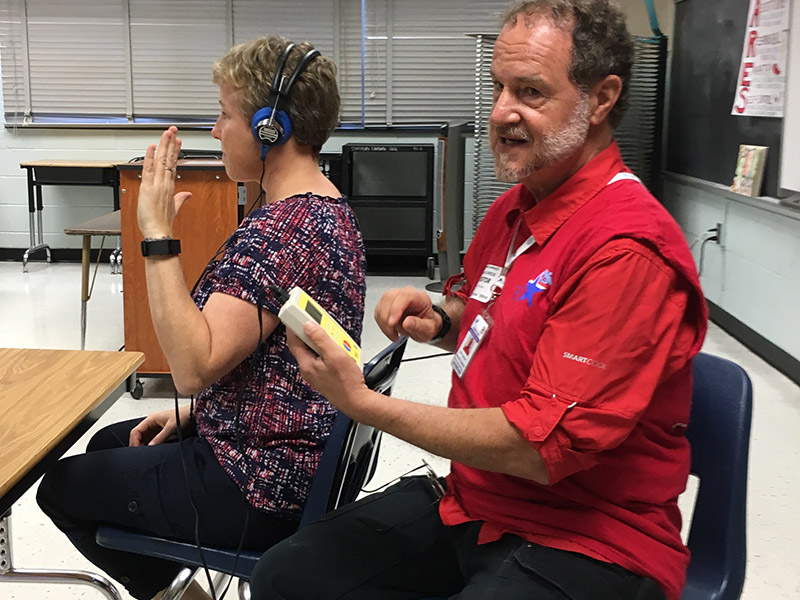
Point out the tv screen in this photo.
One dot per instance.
(389, 173)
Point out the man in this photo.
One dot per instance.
(573, 334)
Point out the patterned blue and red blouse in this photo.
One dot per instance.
(272, 450)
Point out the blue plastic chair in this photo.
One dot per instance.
(719, 434)
(347, 464)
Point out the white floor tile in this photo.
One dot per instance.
(42, 309)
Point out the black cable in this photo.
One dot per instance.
(191, 500)
(427, 356)
(211, 263)
(253, 362)
(713, 238)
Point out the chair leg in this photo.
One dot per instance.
(180, 584)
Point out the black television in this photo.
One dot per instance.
(389, 170)
(390, 187)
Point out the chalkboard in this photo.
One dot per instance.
(703, 137)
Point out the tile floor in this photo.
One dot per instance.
(42, 309)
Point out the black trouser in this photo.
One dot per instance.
(144, 488)
(393, 546)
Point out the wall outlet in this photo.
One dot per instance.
(719, 234)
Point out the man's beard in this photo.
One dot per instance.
(553, 147)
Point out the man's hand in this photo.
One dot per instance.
(333, 373)
(158, 204)
(158, 427)
(407, 311)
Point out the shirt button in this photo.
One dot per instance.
(537, 430)
(133, 506)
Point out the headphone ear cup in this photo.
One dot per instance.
(271, 134)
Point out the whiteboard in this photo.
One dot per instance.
(790, 145)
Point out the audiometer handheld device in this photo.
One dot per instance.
(300, 308)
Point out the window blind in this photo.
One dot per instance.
(76, 57)
(173, 45)
(139, 60)
(433, 66)
(299, 21)
(13, 58)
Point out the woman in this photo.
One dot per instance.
(255, 435)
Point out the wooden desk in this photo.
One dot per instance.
(203, 224)
(62, 172)
(48, 399)
(106, 225)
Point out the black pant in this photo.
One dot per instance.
(393, 546)
(144, 488)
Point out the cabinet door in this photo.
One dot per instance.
(203, 224)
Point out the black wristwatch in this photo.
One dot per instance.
(445, 324)
(161, 247)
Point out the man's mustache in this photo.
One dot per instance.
(515, 133)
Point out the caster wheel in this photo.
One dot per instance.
(431, 267)
(138, 390)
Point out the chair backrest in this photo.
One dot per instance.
(719, 434)
(351, 451)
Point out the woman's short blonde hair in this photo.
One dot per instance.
(313, 104)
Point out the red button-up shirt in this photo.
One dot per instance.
(575, 368)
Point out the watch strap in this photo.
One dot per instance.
(445, 324)
(161, 247)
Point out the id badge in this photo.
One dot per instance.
(469, 345)
(483, 289)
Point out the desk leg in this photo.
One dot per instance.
(38, 208)
(9, 574)
(86, 255)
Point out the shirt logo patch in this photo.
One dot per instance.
(534, 286)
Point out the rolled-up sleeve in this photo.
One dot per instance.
(620, 326)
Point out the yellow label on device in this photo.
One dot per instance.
(335, 331)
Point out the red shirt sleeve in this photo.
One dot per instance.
(621, 326)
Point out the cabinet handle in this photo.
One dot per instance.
(123, 190)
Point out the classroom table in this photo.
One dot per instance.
(106, 225)
(48, 400)
(91, 173)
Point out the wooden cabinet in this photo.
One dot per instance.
(203, 224)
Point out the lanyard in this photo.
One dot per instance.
(512, 255)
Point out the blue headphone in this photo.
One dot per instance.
(271, 125)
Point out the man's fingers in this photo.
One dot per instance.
(299, 349)
(321, 340)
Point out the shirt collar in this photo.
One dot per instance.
(543, 218)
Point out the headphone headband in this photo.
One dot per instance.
(271, 125)
(275, 88)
